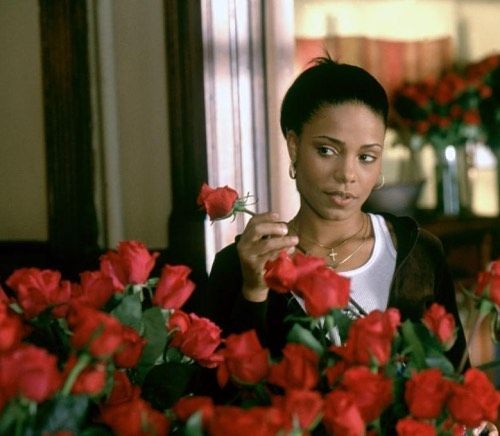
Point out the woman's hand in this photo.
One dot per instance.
(264, 237)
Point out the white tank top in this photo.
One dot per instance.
(371, 282)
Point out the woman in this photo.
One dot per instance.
(334, 118)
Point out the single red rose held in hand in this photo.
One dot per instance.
(370, 338)
(36, 290)
(426, 393)
(245, 361)
(174, 288)
(441, 324)
(298, 368)
(218, 203)
(195, 337)
(130, 264)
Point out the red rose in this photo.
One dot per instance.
(261, 421)
(475, 400)
(198, 339)
(441, 324)
(412, 427)
(426, 393)
(123, 390)
(188, 406)
(297, 370)
(37, 290)
(281, 273)
(323, 290)
(11, 328)
(488, 283)
(471, 117)
(135, 418)
(218, 203)
(100, 332)
(307, 264)
(95, 290)
(30, 372)
(334, 373)
(130, 350)
(180, 321)
(372, 392)
(370, 338)
(90, 381)
(341, 414)
(132, 264)
(244, 359)
(174, 287)
(304, 406)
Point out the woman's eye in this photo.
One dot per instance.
(367, 158)
(326, 151)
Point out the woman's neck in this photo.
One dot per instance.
(327, 232)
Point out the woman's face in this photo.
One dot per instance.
(338, 159)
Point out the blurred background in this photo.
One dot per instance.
(115, 112)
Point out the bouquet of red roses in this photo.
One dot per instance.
(114, 353)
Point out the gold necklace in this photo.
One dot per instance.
(333, 254)
(332, 264)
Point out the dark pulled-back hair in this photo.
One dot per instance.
(330, 83)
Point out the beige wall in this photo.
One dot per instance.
(143, 151)
(23, 202)
(142, 120)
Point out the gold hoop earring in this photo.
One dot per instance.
(291, 170)
(380, 184)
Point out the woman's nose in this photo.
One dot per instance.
(345, 171)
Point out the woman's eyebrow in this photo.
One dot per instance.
(339, 142)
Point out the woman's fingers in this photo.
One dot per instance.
(264, 237)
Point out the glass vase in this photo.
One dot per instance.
(452, 179)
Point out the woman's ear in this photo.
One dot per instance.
(292, 143)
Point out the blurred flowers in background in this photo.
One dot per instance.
(462, 105)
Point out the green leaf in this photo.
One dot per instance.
(63, 413)
(164, 384)
(129, 311)
(194, 425)
(439, 360)
(156, 336)
(411, 338)
(300, 335)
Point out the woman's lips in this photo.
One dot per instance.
(341, 198)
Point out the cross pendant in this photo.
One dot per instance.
(332, 255)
